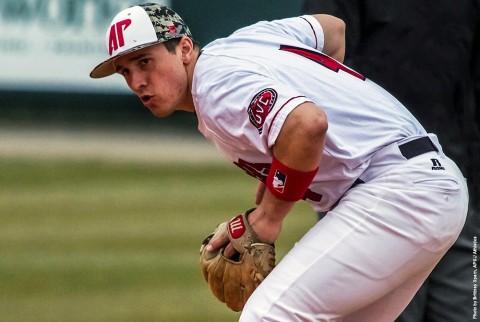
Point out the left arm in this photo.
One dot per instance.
(334, 36)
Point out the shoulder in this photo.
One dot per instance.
(305, 29)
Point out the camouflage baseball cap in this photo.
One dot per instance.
(139, 27)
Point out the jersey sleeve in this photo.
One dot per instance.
(244, 91)
(304, 29)
(249, 118)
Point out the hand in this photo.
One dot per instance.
(266, 231)
(219, 240)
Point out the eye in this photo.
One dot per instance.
(144, 61)
(124, 72)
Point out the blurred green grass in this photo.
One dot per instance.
(100, 241)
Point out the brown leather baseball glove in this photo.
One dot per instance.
(232, 281)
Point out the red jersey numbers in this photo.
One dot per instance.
(256, 170)
(115, 38)
(322, 59)
(260, 172)
(260, 106)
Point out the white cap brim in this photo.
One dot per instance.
(107, 68)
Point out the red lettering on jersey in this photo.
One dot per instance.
(116, 39)
(260, 106)
(322, 59)
(236, 227)
(256, 170)
(313, 196)
(260, 172)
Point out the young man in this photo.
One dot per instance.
(275, 99)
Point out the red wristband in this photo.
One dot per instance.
(288, 184)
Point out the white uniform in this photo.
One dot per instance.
(365, 260)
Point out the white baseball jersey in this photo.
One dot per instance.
(245, 85)
(370, 254)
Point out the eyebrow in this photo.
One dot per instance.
(133, 58)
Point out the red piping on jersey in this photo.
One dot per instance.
(314, 33)
(321, 59)
(273, 120)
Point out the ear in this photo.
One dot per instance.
(187, 48)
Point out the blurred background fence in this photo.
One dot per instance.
(48, 48)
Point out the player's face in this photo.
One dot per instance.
(157, 77)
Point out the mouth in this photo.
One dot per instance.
(146, 99)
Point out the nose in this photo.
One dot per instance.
(137, 82)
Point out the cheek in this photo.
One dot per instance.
(129, 84)
(128, 81)
(175, 81)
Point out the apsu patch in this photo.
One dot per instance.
(260, 106)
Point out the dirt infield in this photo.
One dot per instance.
(110, 145)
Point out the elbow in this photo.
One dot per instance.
(334, 36)
(316, 126)
(311, 123)
(341, 30)
(336, 40)
(306, 125)
(331, 23)
(339, 26)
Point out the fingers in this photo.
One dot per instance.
(229, 251)
(219, 239)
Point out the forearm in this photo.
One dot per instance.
(298, 147)
(268, 218)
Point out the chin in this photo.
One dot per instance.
(159, 112)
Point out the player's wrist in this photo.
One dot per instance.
(267, 225)
(286, 183)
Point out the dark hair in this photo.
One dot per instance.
(172, 44)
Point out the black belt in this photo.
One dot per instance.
(417, 147)
(411, 149)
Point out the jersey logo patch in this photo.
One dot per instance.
(260, 171)
(436, 165)
(236, 227)
(279, 180)
(260, 106)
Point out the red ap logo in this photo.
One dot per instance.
(115, 39)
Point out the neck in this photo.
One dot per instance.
(188, 105)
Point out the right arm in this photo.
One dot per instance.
(334, 46)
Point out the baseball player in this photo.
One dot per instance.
(275, 98)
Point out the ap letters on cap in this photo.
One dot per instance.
(129, 29)
(116, 39)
